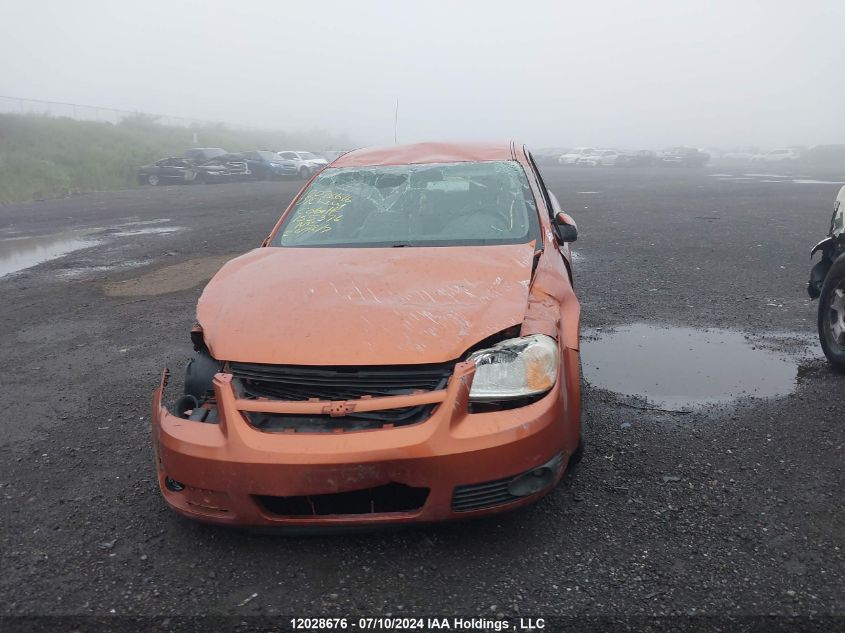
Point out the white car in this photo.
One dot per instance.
(740, 155)
(307, 164)
(572, 156)
(599, 158)
(778, 155)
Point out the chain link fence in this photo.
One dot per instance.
(82, 112)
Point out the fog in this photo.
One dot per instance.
(623, 74)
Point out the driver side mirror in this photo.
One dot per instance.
(565, 228)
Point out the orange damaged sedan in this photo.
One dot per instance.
(402, 348)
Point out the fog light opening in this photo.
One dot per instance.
(173, 485)
(536, 480)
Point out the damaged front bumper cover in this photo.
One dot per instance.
(453, 465)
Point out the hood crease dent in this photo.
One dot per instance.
(363, 306)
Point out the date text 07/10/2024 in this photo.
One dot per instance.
(417, 624)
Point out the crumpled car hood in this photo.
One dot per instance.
(363, 306)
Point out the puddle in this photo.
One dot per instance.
(143, 222)
(158, 230)
(18, 253)
(774, 178)
(677, 368)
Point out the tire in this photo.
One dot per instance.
(577, 456)
(153, 180)
(831, 320)
(304, 173)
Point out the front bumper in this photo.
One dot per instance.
(225, 473)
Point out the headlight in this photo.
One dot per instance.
(515, 368)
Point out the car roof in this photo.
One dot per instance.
(422, 153)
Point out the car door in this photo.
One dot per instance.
(256, 164)
(167, 169)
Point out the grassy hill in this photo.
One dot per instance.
(44, 157)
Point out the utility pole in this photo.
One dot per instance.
(396, 123)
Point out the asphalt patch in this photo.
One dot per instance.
(182, 276)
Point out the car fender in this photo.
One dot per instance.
(822, 246)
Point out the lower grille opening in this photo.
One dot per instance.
(391, 497)
(386, 418)
(479, 496)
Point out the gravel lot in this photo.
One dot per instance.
(727, 511)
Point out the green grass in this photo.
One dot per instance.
(47, 157)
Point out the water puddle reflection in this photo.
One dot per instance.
(18, 253)
(678, 368)
(146, 231)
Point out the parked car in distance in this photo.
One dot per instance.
(202, 154)
(307, 164)
(450, 387)
(778, 155)
(599, 158)
(828, 155)
(223, 168)
(684, 157)
(740, 155)
(572, 156)
(548, 155)
(266, 165)
(641, 158)
(827, 284)
(167, 171)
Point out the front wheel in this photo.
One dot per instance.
(577, 456)
(153, 180)
(304, 173)
(832, 315)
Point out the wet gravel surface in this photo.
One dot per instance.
(732, 510)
